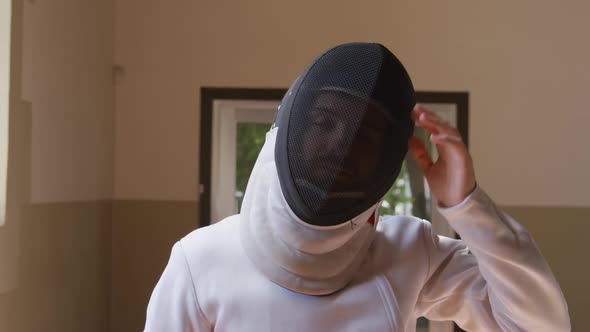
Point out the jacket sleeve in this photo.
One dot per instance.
(494, 279)
(173, 305)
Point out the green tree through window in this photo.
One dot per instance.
(250, 139)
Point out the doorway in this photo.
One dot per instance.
(234, 122)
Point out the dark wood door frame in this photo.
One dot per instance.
(210, 94)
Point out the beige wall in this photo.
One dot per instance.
(526, 69)
(169, 52)
(524, 65)
(54, 252)
(67, 76)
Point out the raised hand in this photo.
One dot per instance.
(452, 177)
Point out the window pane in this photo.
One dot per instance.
(250, 139)
(409, 195)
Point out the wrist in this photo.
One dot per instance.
(449, 203)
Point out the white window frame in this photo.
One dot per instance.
(226, 116)
(5, 32)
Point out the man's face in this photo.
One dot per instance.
(351, 149)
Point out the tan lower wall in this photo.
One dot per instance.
(143, 235)
(562, 235)
(64, 268)
(91, 266)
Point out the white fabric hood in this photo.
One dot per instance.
(304, 258)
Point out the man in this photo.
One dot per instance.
(308, 252)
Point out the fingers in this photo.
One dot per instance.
(420, 153)
(447, 144)
(428, 124)
(432, 122)
(445, 139)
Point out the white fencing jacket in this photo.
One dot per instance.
(255, 271)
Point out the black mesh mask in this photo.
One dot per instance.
(343, 129)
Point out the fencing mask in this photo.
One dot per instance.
(343, 129)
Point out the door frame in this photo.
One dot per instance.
(211, 95)
(208, 97)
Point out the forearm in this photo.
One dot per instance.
(522, 290)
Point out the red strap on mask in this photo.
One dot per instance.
(371, 219)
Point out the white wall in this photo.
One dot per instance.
(524, 64)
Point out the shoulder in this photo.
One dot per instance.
(402, 230)
(411, 233)
(206, 245)
(208, 235)
(216, 262)
(211, 239)
(400, 241)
